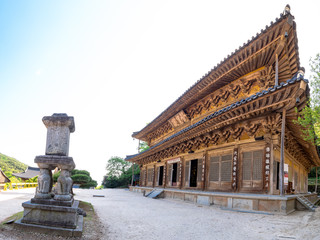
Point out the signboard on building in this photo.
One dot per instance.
(286, 174)
(173, 160)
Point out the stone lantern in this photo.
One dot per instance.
(55, 209)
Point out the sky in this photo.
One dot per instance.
(116, 65)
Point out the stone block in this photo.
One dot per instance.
(52, 202)
(52, 161)
(51, 215)
(65, 232)
(189, 197)
(59, 126)
(203, 200)
(290, 206)
(245, 204)
(220, 201)
(269, 206)
(178, 195)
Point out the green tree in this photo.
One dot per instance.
(32, 180)
(309, 117)
(143, 146)
(119, 173)
(81, 177)
(116, 166)
(11, 165)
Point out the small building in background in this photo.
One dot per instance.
(3, 177)
(30, 172)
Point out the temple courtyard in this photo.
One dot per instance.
(128, 215)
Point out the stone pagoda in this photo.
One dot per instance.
(54, 208)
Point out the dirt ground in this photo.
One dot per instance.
(121, 214)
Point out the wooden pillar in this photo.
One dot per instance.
(271, 182)
(281, 172)
(276, 81)
(145, 177)
(165, 166)
(154, 176)
(316, 186)
(206, 167)
(132, 173)
(183, 165)
(180, 173)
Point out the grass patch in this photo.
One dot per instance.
(88, 208)
(14, 217)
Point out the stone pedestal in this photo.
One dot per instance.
(54, 208)
(51, 215)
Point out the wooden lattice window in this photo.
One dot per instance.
(199, 170)
(252, 165)
(149, 175)
(214, 169)
(186, 171)
(220, 168)
(142, 177)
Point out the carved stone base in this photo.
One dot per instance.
(52, 202)
(43, 195)
(62, 197)
(53, 161)
(51, 215)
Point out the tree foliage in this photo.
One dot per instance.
(81, 177)
(143, 146)
(312, 173)
(309, 117)
(119, 173)
(11, 165)
(116, 166)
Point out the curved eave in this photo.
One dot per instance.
(229, 69)
(277, 97)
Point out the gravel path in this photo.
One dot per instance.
(11, 200)
(128, 215)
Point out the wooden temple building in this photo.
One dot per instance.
(231, 139)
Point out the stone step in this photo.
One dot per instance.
(154, 193)
(305, 202)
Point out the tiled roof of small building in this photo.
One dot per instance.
(31, 172)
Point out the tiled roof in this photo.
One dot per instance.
(31, 172)
(297, 77)
(267, 27)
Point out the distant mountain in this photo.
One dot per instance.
(12, 165)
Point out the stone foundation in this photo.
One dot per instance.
(259, 203)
